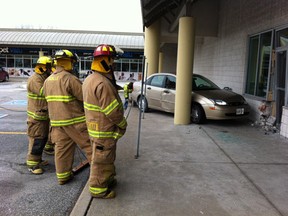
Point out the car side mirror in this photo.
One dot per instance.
(227, 88)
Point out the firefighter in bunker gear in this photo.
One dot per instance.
(63, 92)
(128, 87)
(49, 147)
(105, 121)
(37, 111)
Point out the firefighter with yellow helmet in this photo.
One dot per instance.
(105, 121)
(37, 111)
(63, 92)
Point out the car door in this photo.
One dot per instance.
(168, 94)
(2, 74)
(153, 91)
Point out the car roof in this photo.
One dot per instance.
(156, 74)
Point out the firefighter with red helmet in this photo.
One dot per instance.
(105, 121)
(37, 111)
(63, 92)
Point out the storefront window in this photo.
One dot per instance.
(34, 61)
(134, 67)
(18, 62)
(260, 48)
(117, 66)
(125, 65)
(2, 62)
(140, 67)
(10, 62)
(27, 63)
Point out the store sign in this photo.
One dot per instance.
(4, 50)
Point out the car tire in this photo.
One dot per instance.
(143, 101)
(197, 114)
(6, 78)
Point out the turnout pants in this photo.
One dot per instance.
(102, 169)
(37, 132)
(66, 138)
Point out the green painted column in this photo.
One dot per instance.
(152, 46)
(184, 70)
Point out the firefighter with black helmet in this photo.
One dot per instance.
(63, 92)
(105, 121)
(37, 111)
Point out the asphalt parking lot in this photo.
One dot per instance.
(21, 192)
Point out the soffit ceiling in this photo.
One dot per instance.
(153, 10)
(205, 12)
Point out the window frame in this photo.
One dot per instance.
(258, 65)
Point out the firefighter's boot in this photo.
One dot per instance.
(49, 149)
(66, 180)
(36, 170)
(109, 194)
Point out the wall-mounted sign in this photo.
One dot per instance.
(4, 50)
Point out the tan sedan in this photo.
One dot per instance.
(208, 100)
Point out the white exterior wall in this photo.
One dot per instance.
(223, 58)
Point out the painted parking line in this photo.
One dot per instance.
(12, 132)
(3, 115)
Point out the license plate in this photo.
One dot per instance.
(240, 111)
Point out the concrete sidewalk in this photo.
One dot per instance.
(218, 169)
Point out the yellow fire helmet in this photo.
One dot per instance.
(65, 59)
(44, 64)
(104, 55)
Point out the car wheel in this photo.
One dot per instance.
(142, 103)
(6, 78)
(197, 114)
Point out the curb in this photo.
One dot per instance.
(82, 205)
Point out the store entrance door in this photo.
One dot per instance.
(281, 80)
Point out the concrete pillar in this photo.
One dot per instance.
(161, 59)
(152, 46)
(184, 71)
(41, 53)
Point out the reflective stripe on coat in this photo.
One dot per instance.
(103, 108)
(63, 92)
(37, 107)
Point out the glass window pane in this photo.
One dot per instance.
(281, 64)
(133, 67)
(264, 62)
(140, 67)
(27, 63)
(252, 65)
(2, 62)
(34, 61)
(18, 62)
(125, 67)
(282, 38)
(117, 66)
(10, 62)
(157, 81)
